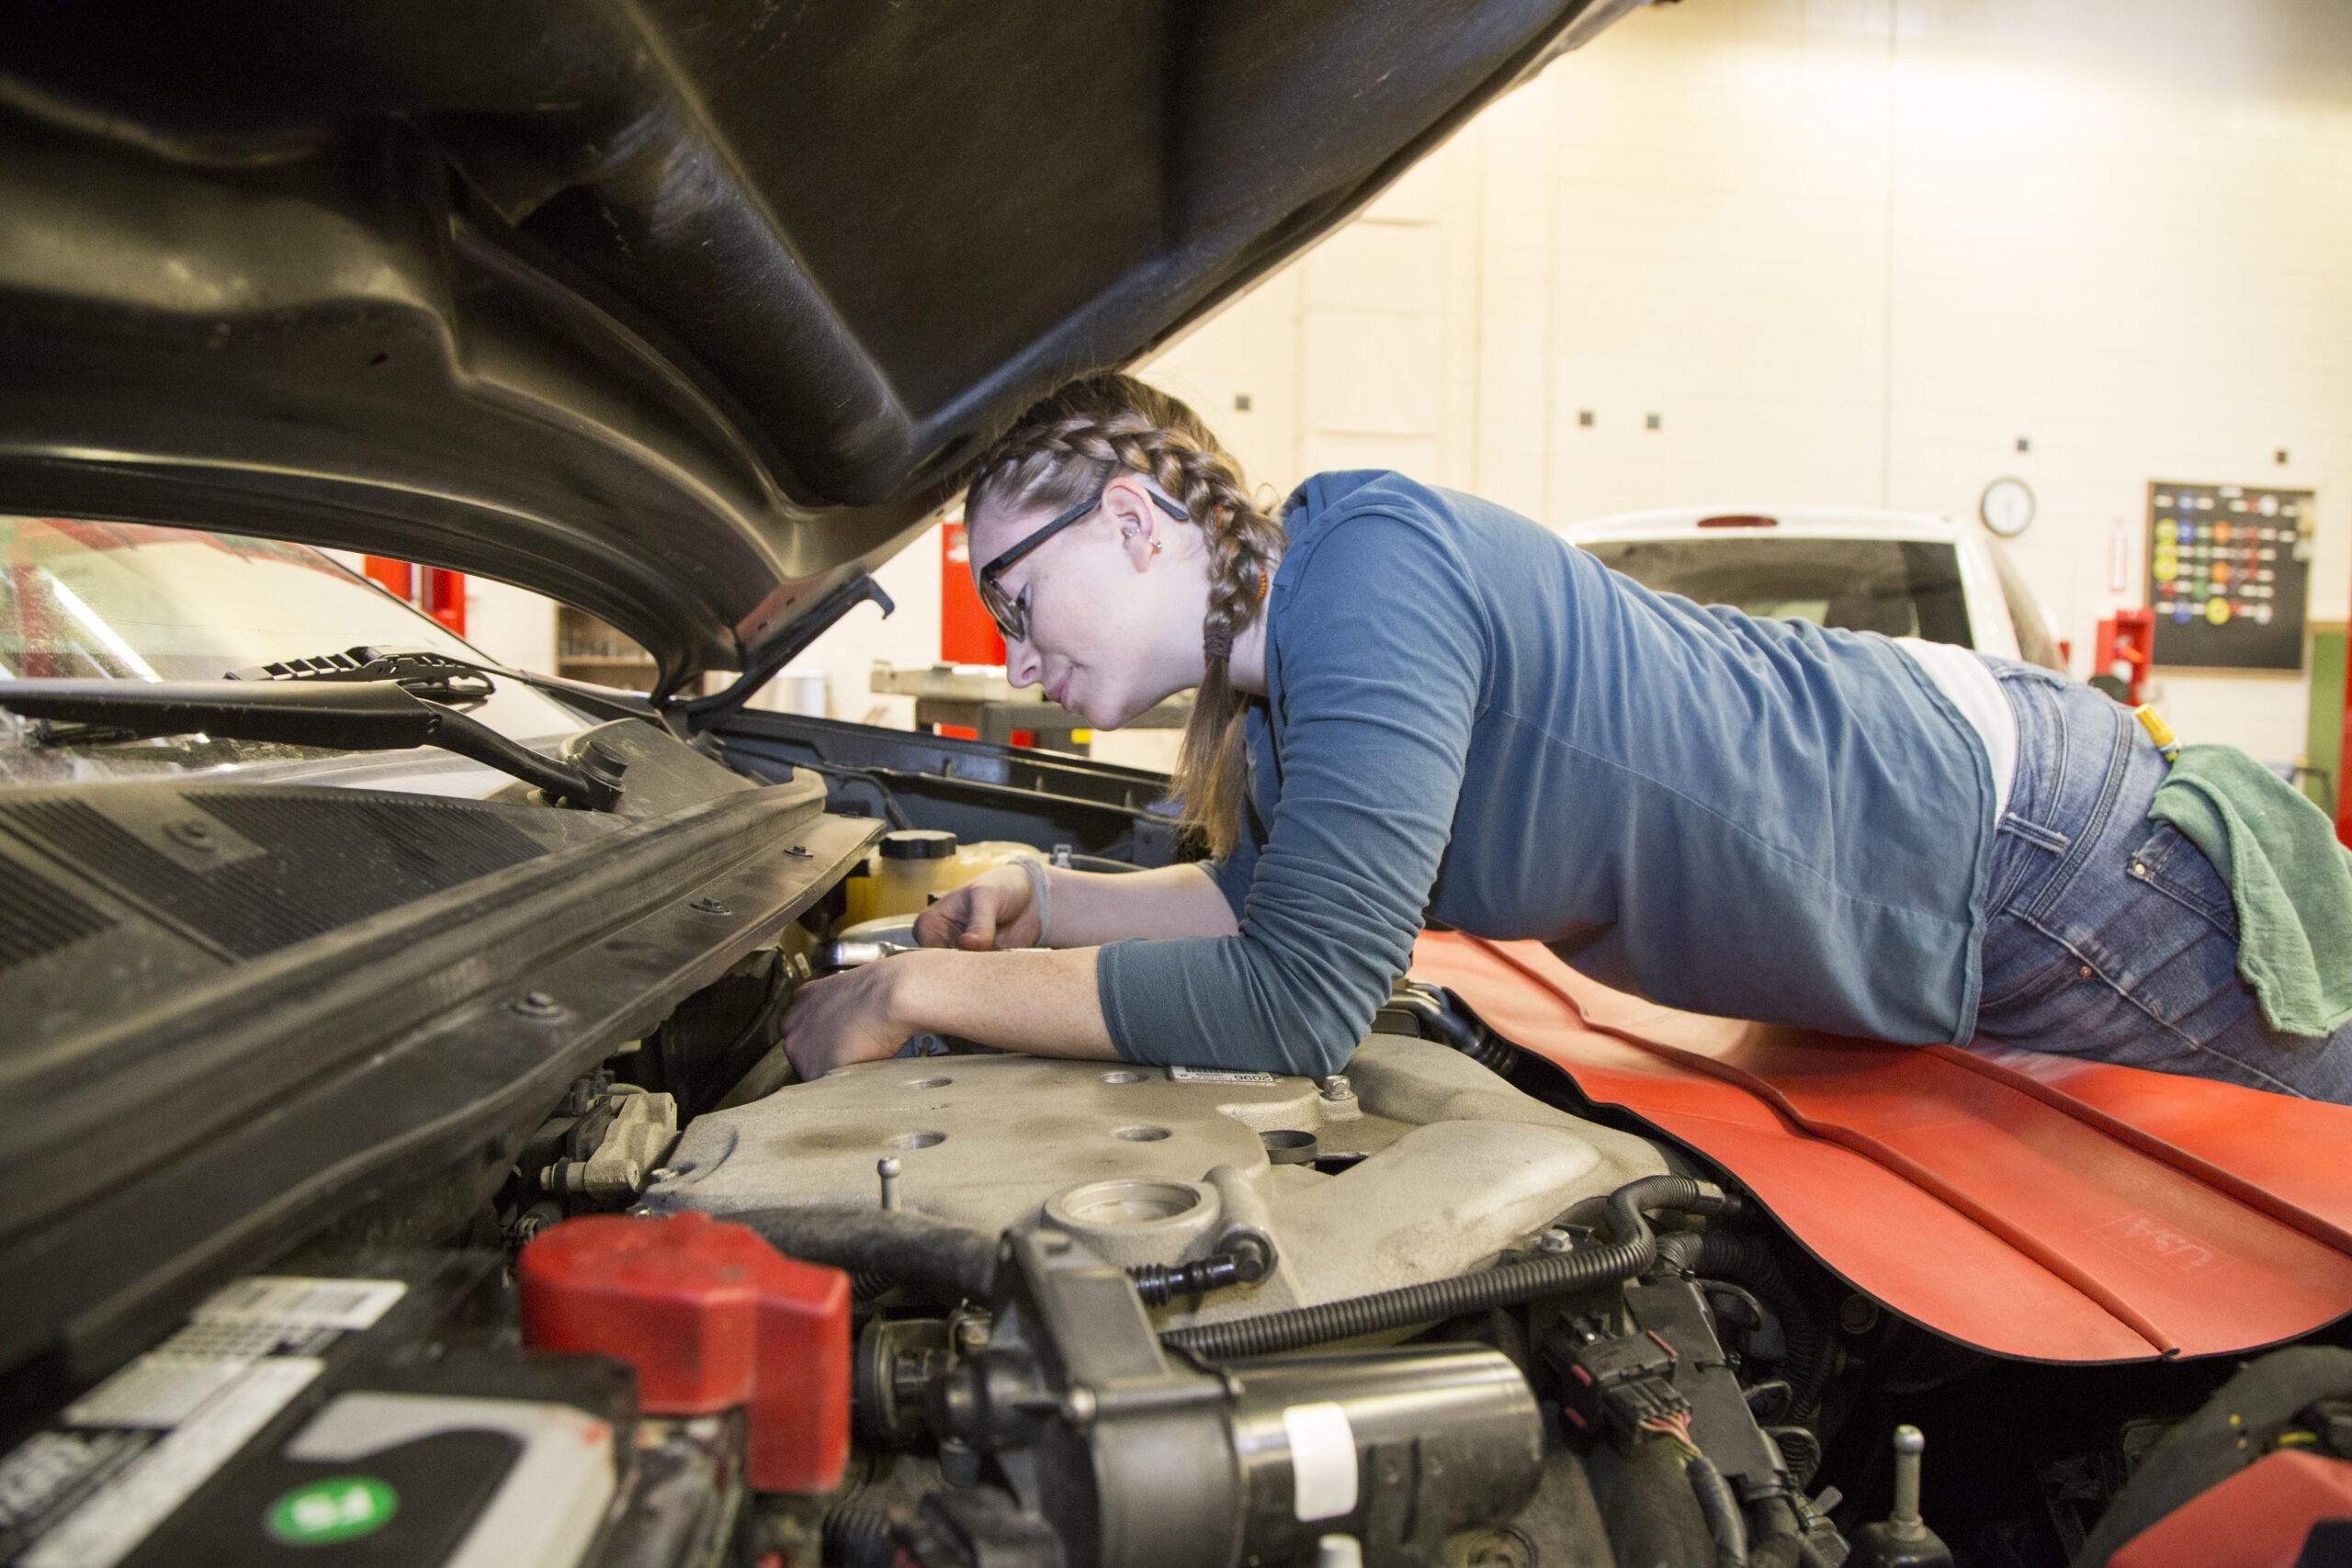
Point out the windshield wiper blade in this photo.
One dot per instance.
(347, 716)
(430, 674)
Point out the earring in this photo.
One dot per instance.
(1155, 547)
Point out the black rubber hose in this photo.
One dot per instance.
(1631, 1254)
(1648, 1511)
(857, 1535)
(1441, 1011)
(1749, 1260)
(1776, 1542)
(1722, 1511)
(909, 1248)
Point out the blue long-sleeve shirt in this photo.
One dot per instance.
(1466, 717)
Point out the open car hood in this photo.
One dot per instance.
(682, 312)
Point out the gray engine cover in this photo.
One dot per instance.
(1457, 1165)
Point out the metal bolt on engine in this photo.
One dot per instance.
(1903, 1539)
(888, 1170)
(1079, 1406)
(1909, 1442)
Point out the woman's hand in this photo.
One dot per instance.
(995, 909)
(844, 1018)
(1041, 1002)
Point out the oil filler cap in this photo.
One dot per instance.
(713, 1318)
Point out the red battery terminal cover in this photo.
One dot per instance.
(712, 1317)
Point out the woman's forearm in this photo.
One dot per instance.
(1093, 908)
(1034, 1000)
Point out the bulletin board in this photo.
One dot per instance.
(2229, 574)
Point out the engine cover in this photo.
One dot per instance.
(1431, 1167)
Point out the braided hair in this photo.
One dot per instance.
(1066, 447)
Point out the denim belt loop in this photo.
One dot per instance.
(2119, 765)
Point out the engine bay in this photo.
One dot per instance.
(576, 1266)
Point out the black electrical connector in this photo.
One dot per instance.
(1618, 1384)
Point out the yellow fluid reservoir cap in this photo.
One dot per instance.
(919, 843)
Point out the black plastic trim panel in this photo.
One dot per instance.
(185, 1143)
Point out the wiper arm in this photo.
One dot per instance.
(349, 715)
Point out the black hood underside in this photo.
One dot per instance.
(682, 312)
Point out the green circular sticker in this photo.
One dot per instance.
(338, 1508)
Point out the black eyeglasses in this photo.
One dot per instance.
(1012, 615)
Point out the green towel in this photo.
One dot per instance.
(2290, 879)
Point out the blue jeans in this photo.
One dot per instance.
(2108, 936)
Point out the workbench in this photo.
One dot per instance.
(981, 700)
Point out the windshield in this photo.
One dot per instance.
(1900, 587)
(132, 601)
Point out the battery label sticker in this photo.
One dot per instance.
(50, 1472)
(1322, 1460)
(288, 1301)
(159, 1390)
(1217, 1075)
(342, 1508)
(123, 1512)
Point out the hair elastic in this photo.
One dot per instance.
(1216, 642)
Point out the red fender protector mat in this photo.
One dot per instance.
(2028, 1205)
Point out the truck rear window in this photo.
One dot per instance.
(1903, 588)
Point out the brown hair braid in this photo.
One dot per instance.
(1065, 447)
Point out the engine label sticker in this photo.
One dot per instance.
(341, 1508)
(287, 1302)
(120, 1514)
(1322, 1460)
(1217, 1075)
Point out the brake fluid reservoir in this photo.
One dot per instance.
(916, 863)
(912, 867)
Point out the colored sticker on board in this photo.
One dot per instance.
(342, 1508)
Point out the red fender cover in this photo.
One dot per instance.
(2260, 1518)
(2029, 1205)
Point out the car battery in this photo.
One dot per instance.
(379, 1413)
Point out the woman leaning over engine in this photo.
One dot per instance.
(1415, 702)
